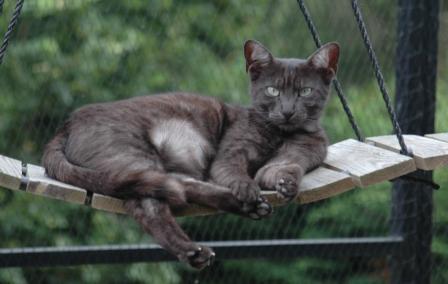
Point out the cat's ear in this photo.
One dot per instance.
(257, 56)
(326, 57)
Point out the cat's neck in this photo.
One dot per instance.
(257, 120)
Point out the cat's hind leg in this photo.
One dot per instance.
(156, 219)
(221, 198)
(179, 191)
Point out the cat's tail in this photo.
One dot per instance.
(125, 184)
(57, 166)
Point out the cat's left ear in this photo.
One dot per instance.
(326, 57)
(257, 56)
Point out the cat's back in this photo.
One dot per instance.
(157, 105)
(184, 128)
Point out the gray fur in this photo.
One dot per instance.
(163, 152)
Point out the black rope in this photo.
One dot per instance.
(381, 84)
(89, 198)
(1, 6)
(412, 177)
(336, 83)
(379, 77)
(386, 97)
(11, 26)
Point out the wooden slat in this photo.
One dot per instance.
(367, 164)
(108, 203)
(349, 163)
(316, 185)
(323, 183)
(10, 172)
(427, 153)
(40, 184)
(438, 136)
(112, 204)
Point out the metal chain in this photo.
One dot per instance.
(379, 77)
(11, 26)
(336, 83)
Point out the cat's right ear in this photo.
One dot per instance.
(257, 56)
(326, 57)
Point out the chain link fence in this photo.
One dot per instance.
(65, 54)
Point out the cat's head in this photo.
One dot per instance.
(290, 93)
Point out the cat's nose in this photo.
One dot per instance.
(287, 114)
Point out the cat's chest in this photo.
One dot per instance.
(182, 146)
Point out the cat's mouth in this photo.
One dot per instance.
(288, 126)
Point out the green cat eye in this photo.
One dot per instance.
(272, 92)
(305, 92)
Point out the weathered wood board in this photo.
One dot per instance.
(112, 204)
(10, 172)
(316, 185)
(40, 184)
(108, 203)
(428, 154)
(438, 136)
(366, 163)
(349, 163)
(323, 183)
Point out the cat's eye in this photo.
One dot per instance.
(272, 92)
(305, 92)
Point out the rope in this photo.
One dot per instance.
(1, 6)
(11, 26)
(381, 84)
(379, 77)
(386, 97)
(336, 83)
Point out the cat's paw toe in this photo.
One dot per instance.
(261, 209)
(246, 191)
(200, 257)
(264, 208)
(287, 189)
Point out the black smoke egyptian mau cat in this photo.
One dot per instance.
(163, 152)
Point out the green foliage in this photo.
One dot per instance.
(69, 53)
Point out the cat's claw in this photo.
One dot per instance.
(200, 257)
(286, 189)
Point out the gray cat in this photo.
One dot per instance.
(163, 152)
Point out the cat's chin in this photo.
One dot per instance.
(288, 127)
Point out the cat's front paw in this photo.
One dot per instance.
(287, 188)
(284, 179)
(246, 191)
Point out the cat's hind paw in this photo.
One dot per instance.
(200, 257)
(261, 209)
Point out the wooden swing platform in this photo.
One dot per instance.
(349, 164)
